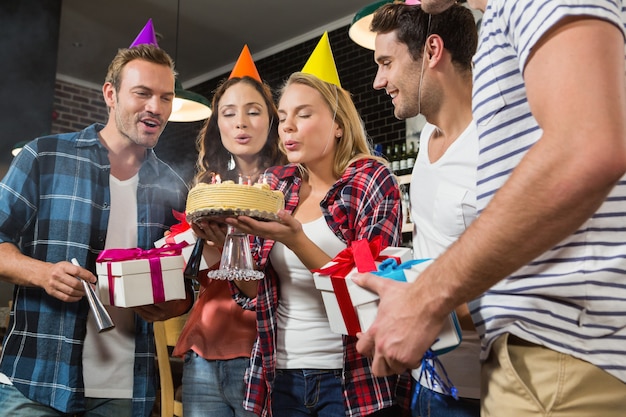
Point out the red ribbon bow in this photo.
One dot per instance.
(154, 258)
(362, 255)
(180, 227)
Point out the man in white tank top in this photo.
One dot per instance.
(425, 67)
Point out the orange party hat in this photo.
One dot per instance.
(321, 62)
(245, 66)
(146, 36)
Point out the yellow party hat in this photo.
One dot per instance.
(321, 62)
(245, 66)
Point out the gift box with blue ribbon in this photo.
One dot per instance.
(450, 336)
(351, 308)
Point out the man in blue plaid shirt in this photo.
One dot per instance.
(71, 196)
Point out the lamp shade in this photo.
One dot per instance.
(359, 30)
(17, 148)
(188, 106)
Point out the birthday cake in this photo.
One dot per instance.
(230, 199)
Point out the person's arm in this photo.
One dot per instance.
(58, 280)
(575, 84)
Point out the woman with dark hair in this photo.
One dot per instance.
(240, 138)
(231, 156)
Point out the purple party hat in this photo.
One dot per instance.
(146, 36)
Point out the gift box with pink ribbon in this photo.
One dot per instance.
(349, 307)
(182, 232)
(135, 277)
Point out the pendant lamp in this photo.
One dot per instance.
(17, 148)
(187, 106)
(359, 30)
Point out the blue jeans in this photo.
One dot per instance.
(429, 403)
(313, 392)
(14, 404)
(213, 388)
(308, 392)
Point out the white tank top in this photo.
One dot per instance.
(304, 338)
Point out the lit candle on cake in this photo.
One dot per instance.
(249, 180)
(240, 180)
(218, 180)
(264, 179)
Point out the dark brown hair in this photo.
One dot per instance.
(213, 157)
(455, 26)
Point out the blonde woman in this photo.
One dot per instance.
(336, 192)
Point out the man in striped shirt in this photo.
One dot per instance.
(544, 264)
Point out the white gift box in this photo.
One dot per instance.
(209, 259)
(133, 283)
(450, 335)
(364, 302)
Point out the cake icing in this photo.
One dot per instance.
(228, 198)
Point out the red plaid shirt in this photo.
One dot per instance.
(362, 204)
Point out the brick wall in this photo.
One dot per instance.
(77, 107)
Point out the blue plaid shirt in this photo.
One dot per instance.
(362, 204)
(54, 205)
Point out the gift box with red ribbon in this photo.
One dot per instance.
(135, 277)
(350, 308)
(182, 232)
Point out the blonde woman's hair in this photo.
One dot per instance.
(354, 143)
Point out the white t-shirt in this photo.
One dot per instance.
(304, 338)
(109, 357)
(443, 204)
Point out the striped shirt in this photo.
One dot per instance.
(54, 205)
(362, 204)
(572, 298)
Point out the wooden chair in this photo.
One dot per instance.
(166, 335)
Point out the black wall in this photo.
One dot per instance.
(29, 37)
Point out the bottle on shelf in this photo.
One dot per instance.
(411, 156)
(406, 208)
(388, 155)
(403, 159)
(395, 159)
